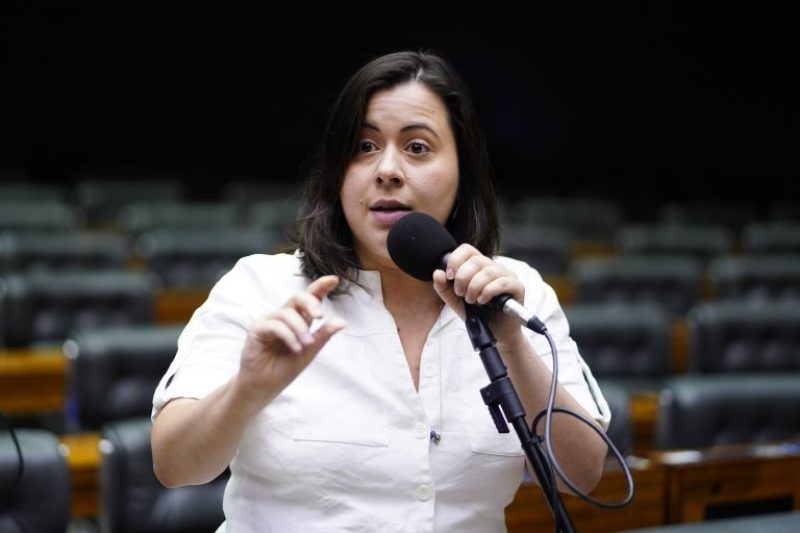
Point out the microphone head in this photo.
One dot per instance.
(418, 243)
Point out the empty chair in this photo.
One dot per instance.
(27, 192)
(272, 214)
(26, 252)
(730, 215)
(628, 344)
(546, 249)
(245, 192)
(765, 279)
(588, 219)
(673, 282)
(42, 307)
(194, 259)
(709, 410)
(34, 489)
(38, 216)
(140, 217)
(774, 238)
(133, 501)
(115, 370)
(100, 199)
(701, 242)
(737, 337)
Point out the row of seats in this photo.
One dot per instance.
(97, 202)
(35, 486)
(46, 302)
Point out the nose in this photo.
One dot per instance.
(389, 170)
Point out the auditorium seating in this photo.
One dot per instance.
(136, 218)
(588, 219)
(702, 242)
(733, 336)
(763, 278)
(99, 199)
(34, 493)
(627, 343)
(705, 411)
(48, 251)
(133, 501)
(44, 215)
(42, 307)
(548, 249)
(115, 370)
(773, 238)
(192, 258)
(673, 282)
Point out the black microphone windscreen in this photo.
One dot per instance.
(417, 244)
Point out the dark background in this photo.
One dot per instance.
(645, 104)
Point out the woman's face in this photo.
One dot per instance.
(405, 160)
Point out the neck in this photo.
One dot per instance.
(400, 289)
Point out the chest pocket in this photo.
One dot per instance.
(339, 398)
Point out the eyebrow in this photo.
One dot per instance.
(406, 128)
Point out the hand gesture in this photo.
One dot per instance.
(281, 344)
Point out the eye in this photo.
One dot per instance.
(418, 148)
(365, 147)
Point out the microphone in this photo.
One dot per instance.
(419, 245)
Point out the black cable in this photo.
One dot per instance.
(5, 501)
(553, 462)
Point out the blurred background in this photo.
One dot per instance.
(645, 104)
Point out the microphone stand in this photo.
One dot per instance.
(500, 394)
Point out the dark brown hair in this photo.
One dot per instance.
(324, 239)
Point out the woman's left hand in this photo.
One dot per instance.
(478, 279)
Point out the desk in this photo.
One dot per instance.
(32, 381)
(700, 482)
(83, 457)
(529, 512)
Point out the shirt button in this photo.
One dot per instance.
(424, 493)
(421, 431)
(430, 369)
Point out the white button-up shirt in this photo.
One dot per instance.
(351, 445)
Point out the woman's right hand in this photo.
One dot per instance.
(280, 344)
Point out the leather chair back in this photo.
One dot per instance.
(622, 340)
(115, 370)
(43, 307)
(674, 282)
(39, 501)
(731, 336)
(704, 411)
(133, 501)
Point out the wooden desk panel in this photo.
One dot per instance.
(529, 512)
(83, 457)
(697, 480)
(175, 306)
(32, 381)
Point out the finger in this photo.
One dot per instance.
(465, 273)
(320, 287)
(498, 286)
(307, 305)
(272, 330)
(325, 331)
(295, 322)
(444, 289)
(457, 257)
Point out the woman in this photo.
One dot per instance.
(344, 393)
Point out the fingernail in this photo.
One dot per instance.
(306, 338)
(450, 274)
